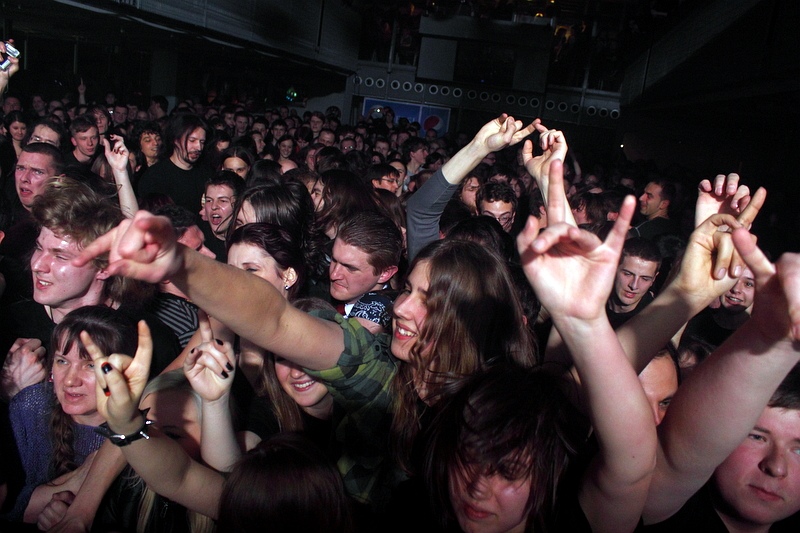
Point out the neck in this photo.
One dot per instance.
(616, 306)
(151, 160)
(321, 410)
(178, 162)
(736, 525)
(658, 214)
(80, 157)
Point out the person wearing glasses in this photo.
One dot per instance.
(498, 201)
(384, 176)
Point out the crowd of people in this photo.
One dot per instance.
(216, 319)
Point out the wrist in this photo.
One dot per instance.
(122, 434)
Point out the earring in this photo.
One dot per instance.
(286, 287)
(50, 379)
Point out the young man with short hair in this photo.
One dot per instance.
(498, 201)
(636, 273)
(85, 140)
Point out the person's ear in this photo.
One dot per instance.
(289, 277)
(387, 274)
(102, 274)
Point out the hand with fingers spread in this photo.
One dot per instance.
(502, 132)
(210, 366)
(726, 196)
(23, 366)
(571, 270)
(120, 381)
(144, 247)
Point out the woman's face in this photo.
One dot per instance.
(259, 140)
(310, 159)
(311, 395)
(255, 260)
(246, 215)
(17, 130)
(236, 165)
(410, 311)
(150, 144)
(286, 148)
(174, 413)
(73, 382)
(490, 503)
(469, 191)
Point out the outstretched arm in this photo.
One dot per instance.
(159, 460)
(117, 158)
(720, 402)
(426, 205)
(145, 248)
(572, 273)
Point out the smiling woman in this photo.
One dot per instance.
(54, 421)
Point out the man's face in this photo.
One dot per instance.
(38, 104)
(351, 274)
(348, 145)
(190, 147)
(241, 125)
(57, 283)
(759, 483)
(43, 134)
(278, 131)
(634, 278)
(10, 104)
(228, 119)
(30, 175)
(218, 206)
(382, 147)
(650, 201)
(120, 115)
(150, 144)
(390, 182)
(85, 142)
(741, 295)
(419, 155)
(133, 110)
(327, 138)
(659, 380)
(501, 211)
(315, 123)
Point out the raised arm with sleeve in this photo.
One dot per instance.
(426, 205)
(145, 248)
(720, 402)
(572, 273)
(159, 460)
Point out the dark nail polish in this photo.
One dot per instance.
(224, 375)
(106, 368)
(229, 367)
(218, 341)
(192, 350)
(106, 391)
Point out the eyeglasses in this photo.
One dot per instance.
(37, 139)
(502, 219)
(396, 181)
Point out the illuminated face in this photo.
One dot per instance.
(150, 144)
(257, 261)
(348, 145)
(286, 148)
(278, 131)
(43, 134)
(328, 138)
(174, 412)
(120, 114)
(241, 125)
(410, 311)
(389, 182)
(659, 380)
(102, 122)
(634, 278)
(351, 274)
(37, 103)
(30, 174)
(188, 149)
(741, 295)
(759, 483)
(419, 156)
(650, 201)
(17, 130)
(490, 503)
(237, 165)
(382, 147)
(86, 142)
(311, 395)
(218, 206)
(73, 382)
(315, 123)
(501, 211)
(59, 284)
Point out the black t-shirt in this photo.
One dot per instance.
(185, 187)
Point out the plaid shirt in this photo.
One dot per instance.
(362, 415)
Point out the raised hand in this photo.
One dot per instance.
(726, 196)
(82, 88)
(553, 145)
(570, 269)
(117, 156)
(120, 381)
(5, 75)
(776, 308)
(503, 131)
(210, 365)
(144, 247)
